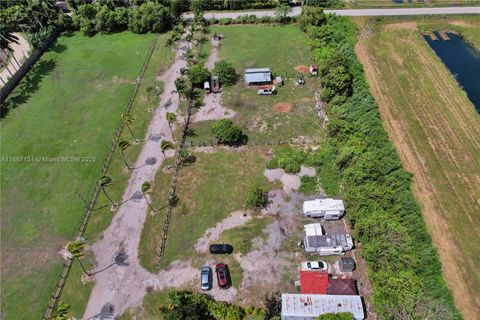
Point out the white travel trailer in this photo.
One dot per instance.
(329, 209)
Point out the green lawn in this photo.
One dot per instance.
(209, 190)
(281, 48)
(83, 86)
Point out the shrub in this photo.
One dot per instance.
(308, 185)
(225, 21)
(198, 74)
(288, 159)
(149, 16)
(226, 72)
(256, 198)
(226, 132)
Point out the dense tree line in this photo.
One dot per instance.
(403, 265)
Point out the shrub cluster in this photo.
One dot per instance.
(403, 265)
(187, 305)
(91, 18)
(287, 158)
(250, 19)
(255, 198)
(227, 133)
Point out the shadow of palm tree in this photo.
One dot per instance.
(23, 92)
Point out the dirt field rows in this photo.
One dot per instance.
(435, 130)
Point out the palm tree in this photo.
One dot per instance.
(7, 38)
(75, 248)
(129, 120)
(171, 118)
(123, 145)
(105, 181)
(146, 187)
(164, 146)
(60, 312)
(181, 86)
(149, 91)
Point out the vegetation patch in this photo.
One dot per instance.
(309, 185)
(243, 237)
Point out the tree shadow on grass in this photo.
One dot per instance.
(30, 83)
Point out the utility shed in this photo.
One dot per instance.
(346, 264)
(329, 208)
(258, 76)
(313, 229)
(310, 306)
(347, 286)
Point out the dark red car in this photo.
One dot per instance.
(223, 275)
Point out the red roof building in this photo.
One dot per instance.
(345, 286)
(315, 282)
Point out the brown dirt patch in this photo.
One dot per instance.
(302, 68)
(282, 107)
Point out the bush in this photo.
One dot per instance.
(226, 72)
(309, 185)
(256, 198)
(226, 132)
(288, 159)
(225, 21)
(198, 74)
(150, 16)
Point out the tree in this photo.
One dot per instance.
(104, 182)
(226, 132)
(84, 17)
(226, 72)
(181, 86)
(150, 16)
(149, 90)
(198, 74)
(273, 305)
(337, 81)
(60, 312)
(123, 145)
(146, 188)
(256, 198)
(76, 248)
(129, 120)
(282, 11)
(171, 118)
(164, 146)
(336, 316)
(7, 38)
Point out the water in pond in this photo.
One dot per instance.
(462, 60)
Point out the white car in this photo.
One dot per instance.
(315, 266)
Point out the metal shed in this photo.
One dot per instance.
(258, 76)
(346, 264)
(310, 306)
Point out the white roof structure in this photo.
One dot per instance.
(313, 229)
(258, 75)
(310, 306)
(327, 204)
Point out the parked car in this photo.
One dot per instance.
(315, 266)
(266, 91)
(223, 275)
(221, 248)
(206, 278)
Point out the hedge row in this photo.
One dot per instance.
(250, 19)
(403, 265)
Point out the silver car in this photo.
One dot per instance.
(206, 278)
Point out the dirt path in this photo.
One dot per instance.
(19, 50)
(440, 154)
(125, 286)
(213, 109)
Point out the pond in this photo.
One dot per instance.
(462, 60)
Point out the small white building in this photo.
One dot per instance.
(329, 208)
(310, 306)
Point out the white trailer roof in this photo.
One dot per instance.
(313, 229)
(314, 305)
(327, 204)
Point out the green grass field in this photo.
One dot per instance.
(83, 87)
(207, 195)
(260, 118)
(435, 129)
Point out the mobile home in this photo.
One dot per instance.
(329, 209)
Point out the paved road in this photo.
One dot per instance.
(351, 12)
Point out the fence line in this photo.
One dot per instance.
(83, 222)
(215, 143)
(15, 79)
